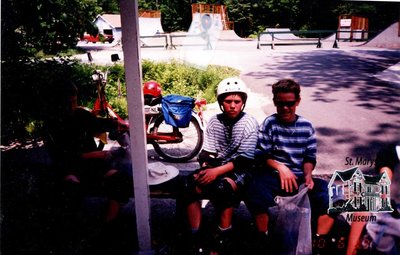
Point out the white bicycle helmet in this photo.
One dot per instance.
(231, 85)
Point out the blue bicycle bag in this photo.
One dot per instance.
(177, 110)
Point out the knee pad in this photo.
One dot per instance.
(222, 194)
(187, 190)
(241, 179)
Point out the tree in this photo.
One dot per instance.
(109, 6)
(176, 15)
(50, 26)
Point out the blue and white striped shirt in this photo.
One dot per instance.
(231, 139)
(290, 144)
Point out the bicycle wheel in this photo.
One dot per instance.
(188, 148)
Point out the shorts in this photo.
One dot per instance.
(265, 187)
(219, 192)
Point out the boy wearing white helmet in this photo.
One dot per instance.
(228, 153)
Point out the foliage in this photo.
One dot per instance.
(31, 26)
(109, 6)
(176, 15)
(379, 14)
(251, 17)
(32, 90)
(179, 78)
(35, 27)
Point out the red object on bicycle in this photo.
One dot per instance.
(152, 88)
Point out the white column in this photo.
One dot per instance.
(133, 76)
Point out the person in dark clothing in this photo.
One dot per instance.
(70, 132)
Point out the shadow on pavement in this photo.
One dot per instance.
(353, 112)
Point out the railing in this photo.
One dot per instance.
(145, 45)
(149, 14)
(198, 40)
(275, 40)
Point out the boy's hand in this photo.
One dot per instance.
(206, 176)
(288, 179)
(309, 181)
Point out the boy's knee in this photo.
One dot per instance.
(188, 190)
(222, 194)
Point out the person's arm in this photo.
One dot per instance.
(97, 125)
(308, 168)
(309, 159)
(287, 177)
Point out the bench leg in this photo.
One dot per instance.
(319, 44)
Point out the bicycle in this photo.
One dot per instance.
(173, 144)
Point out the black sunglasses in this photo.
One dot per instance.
(285, 103)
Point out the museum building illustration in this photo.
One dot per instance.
(352, 191)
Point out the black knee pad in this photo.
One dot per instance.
(241, 179)
(222, 194)
(187, 190)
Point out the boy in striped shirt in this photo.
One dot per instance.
(287, 149)
(227, 155)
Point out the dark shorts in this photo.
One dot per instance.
(219, 192)
(266, 186)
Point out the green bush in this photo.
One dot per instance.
(179, 78)
(174, 77)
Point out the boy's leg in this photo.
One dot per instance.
(319, 200)
(260, 196)
(223, 237)
(189, 197)
(261, 221)
(225, 220)
(324, 224)
(194, 215)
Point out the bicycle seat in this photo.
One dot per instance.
(152, 100)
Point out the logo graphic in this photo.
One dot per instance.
(352, 191)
